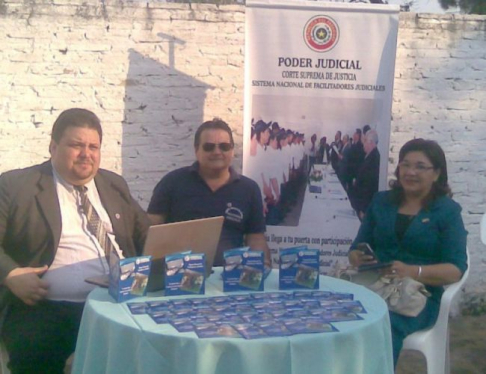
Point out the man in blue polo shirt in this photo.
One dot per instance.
(211, 187)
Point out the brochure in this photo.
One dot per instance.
(354, 306)
(339, 315)
(250, 331)
(128, 277)
(211, 330)
(185, 274)
(299, 326)
(138, 308)
(243, 270)
(299, 268)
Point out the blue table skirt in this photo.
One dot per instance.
(112, 340)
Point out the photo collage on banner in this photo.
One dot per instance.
(318, 96)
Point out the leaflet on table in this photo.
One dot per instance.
(353, 305)
(243, 270)
(299, 268)
(138, 308)
(185, 274)
(128, 277)
(308, 325)
(274, 328)
(250, 331)
(210, 330)
(256, 315)
(338, 314)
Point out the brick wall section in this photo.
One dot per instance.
(154, 71)
(440, 94)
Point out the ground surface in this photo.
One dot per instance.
(467, 347)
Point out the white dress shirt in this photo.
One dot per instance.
(79, 255)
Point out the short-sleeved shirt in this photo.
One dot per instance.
(183, 195)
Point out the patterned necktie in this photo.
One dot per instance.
(95, 225)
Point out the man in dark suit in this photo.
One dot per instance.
(366, 183)
(343, 164)
(47, 248)
(336, 148)
(323, 152)
(356, 156)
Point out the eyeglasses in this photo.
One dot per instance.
(418, 168)
(224, 147)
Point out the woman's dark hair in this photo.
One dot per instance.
(436, 156)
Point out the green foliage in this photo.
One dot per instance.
(466, 6)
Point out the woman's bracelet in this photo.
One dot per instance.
(419, 273)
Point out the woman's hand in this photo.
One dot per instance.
(358, 258)
(400, 270)
(433, 275)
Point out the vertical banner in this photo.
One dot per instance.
(318, 96)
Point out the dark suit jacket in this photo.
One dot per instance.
(366, 182)
(343, 165)
(356, 158)
(30, 217)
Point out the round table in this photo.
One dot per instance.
(112, 340)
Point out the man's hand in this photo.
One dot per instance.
(26, 284)
(258, 242)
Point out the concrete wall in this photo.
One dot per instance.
(154, 71)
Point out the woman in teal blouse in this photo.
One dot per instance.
(418, 227)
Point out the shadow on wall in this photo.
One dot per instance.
(163, 107)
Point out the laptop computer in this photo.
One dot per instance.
(199, 235)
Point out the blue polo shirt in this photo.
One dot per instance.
(183, 195)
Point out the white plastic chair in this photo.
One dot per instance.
(3, 359)
(482, 228)
(434, 341)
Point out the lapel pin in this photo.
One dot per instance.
(117, 216)
(425, 220)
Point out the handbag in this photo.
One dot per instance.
(404, 296)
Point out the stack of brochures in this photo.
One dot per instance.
(185, 273)
(255, 315)
(128, 277)
(299, 268)
(243, 270)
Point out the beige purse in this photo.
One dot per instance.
(404, 296)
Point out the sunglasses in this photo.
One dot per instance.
(224, 147)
